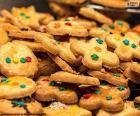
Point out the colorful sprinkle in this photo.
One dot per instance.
(98, 49)
(121, 88)
(88, 95)
(22, 14)
(112, 26)
(108, 97)
(18, 103)
(28, 59)
(94, 57)
(22, 86)
(99, 41)
(8, 60)
(97, 92)
(133, 45)
(68, 24)
(15, 60)
(126, 42)
(116, 75)
(53, 83)
(62, 88)
(120, 23)
(22, 60)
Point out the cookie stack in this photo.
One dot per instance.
(69, 66)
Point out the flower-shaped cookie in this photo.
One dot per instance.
(95, 53)
(16, 87)
(107, 97)
(126, 47)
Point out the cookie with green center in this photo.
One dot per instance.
(117, 79)
(20, 106)
(15, 62)
(95, 54)
(126, 47)
(16, 87)
(108, 98)
(59, 92)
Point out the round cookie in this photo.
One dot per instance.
(16, 87)
(20, 107)
(17, 60)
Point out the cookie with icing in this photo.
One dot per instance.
(59, 109)
(106, 97)
(17, 60)
(16, 87)
(50, 90)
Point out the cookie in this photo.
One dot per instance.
(71, 28)
(59, 109)
(126, 47)
(4, 37)
(72, 2)
(50, 90)
(135, 66)
(86, 23)
(136, 29)
(95, 15)
(74, 78)
(17, 60)
(113, 78)
(62, 64)
(95, 54)
(128, 110)
(108, 98)
(16, 87)
(111, 3)
(24, 107)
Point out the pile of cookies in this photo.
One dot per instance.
(67, 65)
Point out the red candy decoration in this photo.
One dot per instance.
(68, 24)
(88, 95)
(28, 59)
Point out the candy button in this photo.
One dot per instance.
(88, 95)
(108, 97)
(99, 41)
(94, 57)
(62, 88)
(15, 60)
(126, 42)
(22, 60)
(133, 45)
(22, 86)
(117, 37)
(22, 14)
(97, 92)
(28, 59)
(8, 60)
(121, 88)
(112, 26)
(116, 75)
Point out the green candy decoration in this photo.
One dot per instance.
(67, 19)
(126, 42)
(22, 14)
(116, 75)
(27, 17)
(133, 45)
(112, 26)
(8, 60)
(18, 103)
(94, 57)
(108, 97)
(99, 41)
(22, 86)
(52, 83)
(62, 88)
(120, 23)
(121, 88)
(97, 92)
(22, 60)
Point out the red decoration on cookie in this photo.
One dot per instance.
(87, 95)
(28, 59)
(68, 24)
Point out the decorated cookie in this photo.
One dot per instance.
(95, 54)
(17, 60)
(60, 109)
(113, 78)
(106, 97)
(86, 23)
(50, 90)
(125, 47)
(74, 78)
(4, 37)
(72, 28)
(25, 106)
(92, 14)
(128, 110)
(111, 3)
(16, 87)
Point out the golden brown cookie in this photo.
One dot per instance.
(50, 90)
